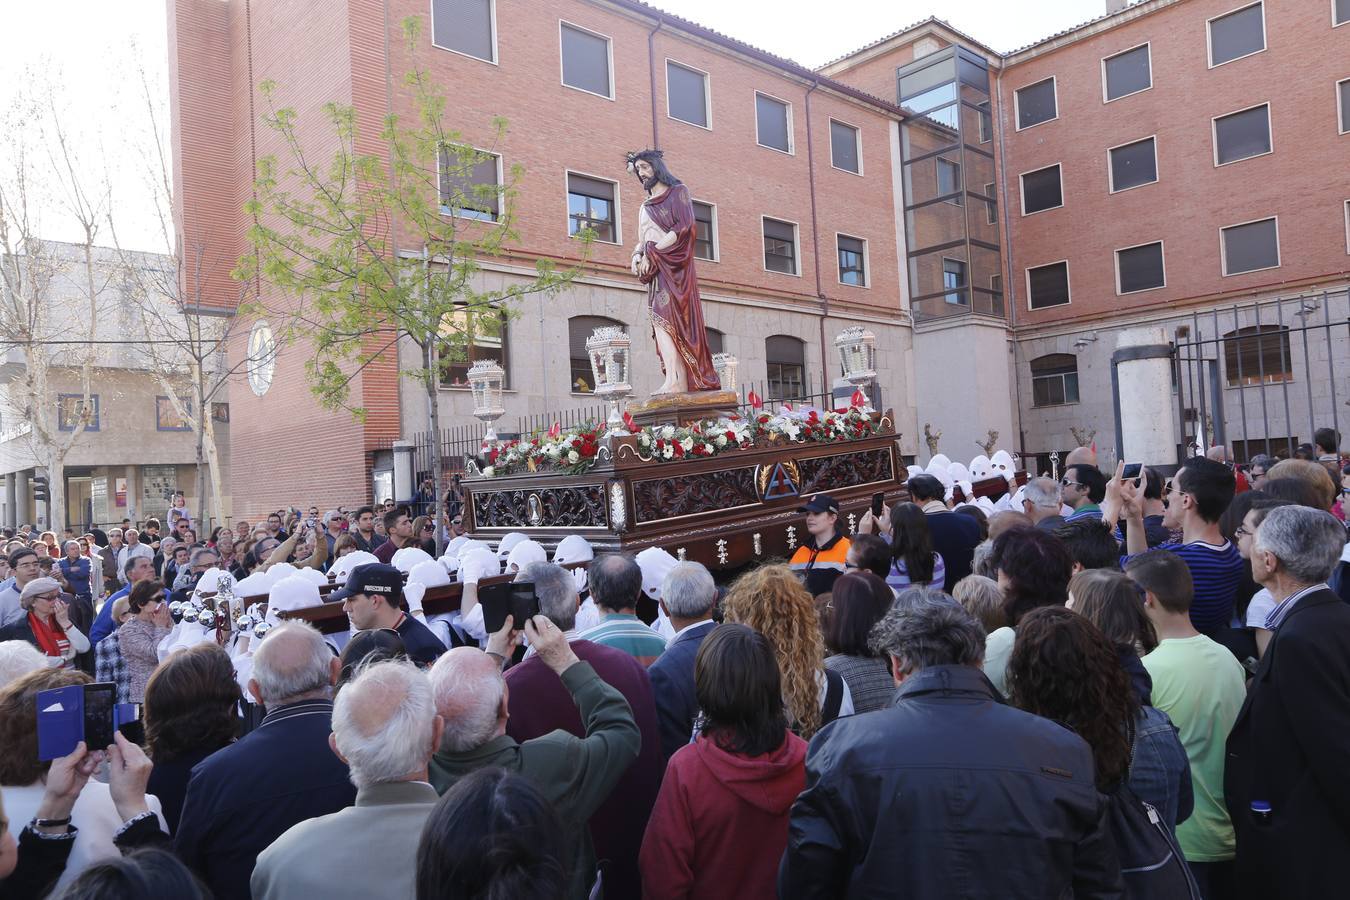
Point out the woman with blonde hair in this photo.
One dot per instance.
(773, 601)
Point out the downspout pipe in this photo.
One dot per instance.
(815, 242)
(651, 72)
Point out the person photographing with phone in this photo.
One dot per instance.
(373, 598)
(47, 624)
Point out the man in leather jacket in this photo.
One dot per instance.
(947, 792)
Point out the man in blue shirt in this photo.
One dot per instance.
(138, 568)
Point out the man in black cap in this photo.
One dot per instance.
(821, 557)
(373, 598)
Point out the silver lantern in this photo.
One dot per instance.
(485, 381)
(724, 364)
(857, 348)
(608, 348)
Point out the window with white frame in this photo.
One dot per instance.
(773, 123)
(1042, 190)
(1036, 103)
(1054, 379)
(1242, 135)
(591, 204)
(1236, 34)
(1340, 12)
(948, 180)
(1140, 268)
(1343, 105)
(1127, 73)
(845, 147)
(1250, 246)
(465, 26)
(780, 246)
(705, 231)
(586, 60)
(852, 260)
(470, 183)
(1048, 285)
(687, 95)
(1133, 164)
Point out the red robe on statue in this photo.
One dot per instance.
(672, 287)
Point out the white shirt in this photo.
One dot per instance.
(1261, 606)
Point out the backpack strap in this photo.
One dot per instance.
(834, 696)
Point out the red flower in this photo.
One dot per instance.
(731, 435)
(492, 456)
(679, 448)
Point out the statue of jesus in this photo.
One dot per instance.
(664, 261)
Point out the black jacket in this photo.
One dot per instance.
(955, 537)
(672, 678)
(1290, 747)
(949, 793)
(423, 647)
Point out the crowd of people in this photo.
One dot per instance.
(1109, 686)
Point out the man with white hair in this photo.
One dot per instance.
(1041, 502)
(688, 597)
(243, 797)
(1284, 782)
(540, 704)
(18, 658)
(134, 547)
(385, 728)
(575, 772)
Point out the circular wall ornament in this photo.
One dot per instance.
(262, 357)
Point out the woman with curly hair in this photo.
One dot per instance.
(772, 601)
(191, 711)
(1033, 568)
(1065, 669)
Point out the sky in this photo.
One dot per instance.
(93, 56)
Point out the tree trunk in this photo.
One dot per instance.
(434, 418)
(213, 461)
(203, 511)
(56, 493)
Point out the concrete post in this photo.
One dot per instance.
(403, 471)
(21, 504)
(132, 488)
(11, 501)
(1146, 420)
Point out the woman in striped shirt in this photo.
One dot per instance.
(913, 559)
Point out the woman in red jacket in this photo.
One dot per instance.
(720, 824)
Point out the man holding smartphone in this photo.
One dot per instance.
(373, 597)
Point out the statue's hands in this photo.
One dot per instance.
(645, 265)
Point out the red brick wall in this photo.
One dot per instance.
(1303, 181)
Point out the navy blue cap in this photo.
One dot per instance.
(372, 578)
(820, 503)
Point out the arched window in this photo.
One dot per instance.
(786, 357)
(716, 341)
(1257, 354)
(1054, 379)
(579, 328)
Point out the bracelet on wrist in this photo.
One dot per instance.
(50, 823)
(500, 658)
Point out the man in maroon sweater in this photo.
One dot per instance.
(538, 703)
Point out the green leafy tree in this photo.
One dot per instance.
(382, 244)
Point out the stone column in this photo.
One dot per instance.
(22, 501)
(132, 487)
(403, 471)
(11, 501)
(1146, 415)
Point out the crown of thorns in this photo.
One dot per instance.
(635, 155)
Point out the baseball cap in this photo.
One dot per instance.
(820, 503)
(372, 578)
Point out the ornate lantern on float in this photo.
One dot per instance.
(608, 348)
(724, 364)
(857, 355)
(485, 381)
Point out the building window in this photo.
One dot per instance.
(1133, 164)
(465, 26)
(845, 147)
(579, 329)
(1237, 34)
(990, 205)
(705, 231)
(996, 285)
(220, 412)
(780, 246)
(1140, 268)
(586, 60)
(954, 281)
(167, 418)
(590, 204)
(787, 367)
(716, 344)
(1054, 380)
(687, 95)
(773, 123)
(1250, 246)
(1257, 354)
(1127, 73)
(986, 123)
(1340, 12)
(949, 180)
(470, 183)
(71, 410)
(852, 260)
(1041, 190)
(1036, 103)
(1242, 135)
(1343, 104)
(1048, 285)
(478, 336)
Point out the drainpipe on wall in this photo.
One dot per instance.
(1008, 268)
(651, 71)
(815, 243)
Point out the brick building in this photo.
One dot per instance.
(1173, 163)
(795, 174)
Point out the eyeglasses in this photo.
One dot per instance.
(1069, 483)
(428, 527)
(1242, 531)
